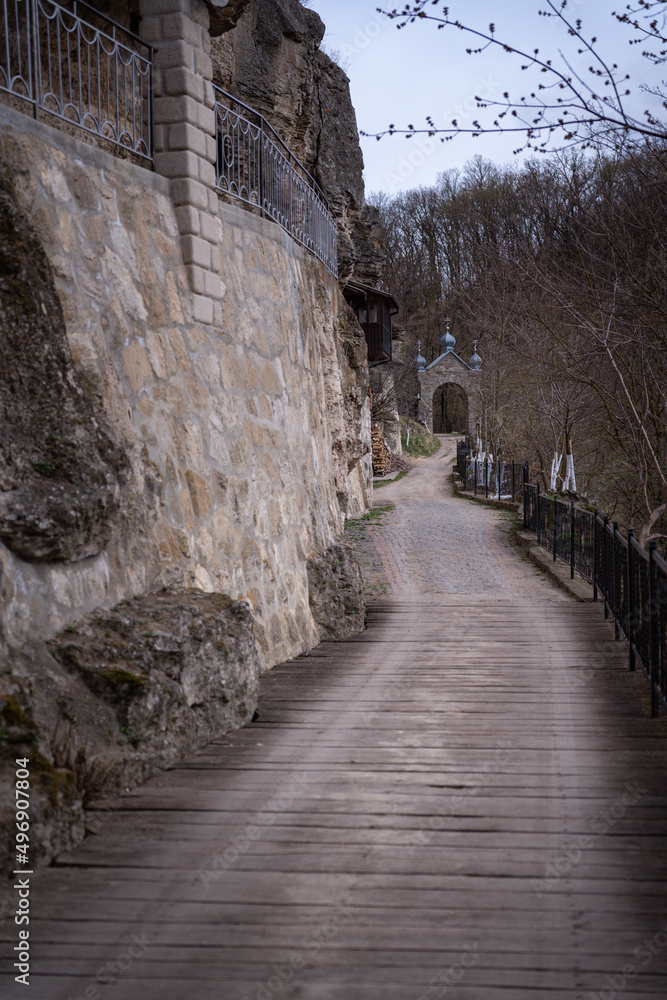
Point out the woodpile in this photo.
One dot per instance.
(381, 453)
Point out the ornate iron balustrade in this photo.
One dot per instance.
(69, 60)
(631, 581)
(254, 165)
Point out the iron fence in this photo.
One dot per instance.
(496, 480)
(254, 165)
(76, 64)
(563, 528)
(631, 581)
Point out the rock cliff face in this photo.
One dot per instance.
(117, 697)
(271, 60)
(61, 473)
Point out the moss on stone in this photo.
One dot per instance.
(117, 677)
(13, 714)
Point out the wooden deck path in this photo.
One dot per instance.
(398, 821)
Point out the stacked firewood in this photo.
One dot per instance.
(381, 454)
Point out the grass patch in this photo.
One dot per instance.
(356, 526)
(388, 482)
(421, 445)
(509, 527)
(422, 442)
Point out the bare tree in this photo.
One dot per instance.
(571, 107)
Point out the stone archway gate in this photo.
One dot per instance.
(450, 369)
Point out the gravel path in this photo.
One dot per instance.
(437, 543)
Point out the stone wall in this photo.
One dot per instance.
(241, 458)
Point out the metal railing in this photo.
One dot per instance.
(81, 67)
(631, 580)
(254, 165)
(496, 480)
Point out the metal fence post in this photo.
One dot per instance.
(631, 600)
(572, 529)
(538, 533)
(595, 554)
(614, 577)
(653, 625)
(475, 477)
(499, 466)
(513, 481)
(34, 55)
(486, 478)
(604, 563)
(555, 523)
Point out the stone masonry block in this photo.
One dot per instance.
(200, 14)
(216, 260)
(181, 26)
(206, 43)
(188, 220)
(185, 191)
(202, 309)
(184, 136)
(209, 94)
(196, 251)
(213, 202)
(197, 278)
(217, 314)
(213, 285)
(206, 120)
(207, 173)
(210, 148)
(159, 138)
(209, 227)
(203, 64)
(173, 54)
(182, 81)
(178, 164)
(177, 109)
(150, 29)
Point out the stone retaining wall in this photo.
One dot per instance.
(237, 434)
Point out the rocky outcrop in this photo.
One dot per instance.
(61, 473)
(224, 16)
(336, 592)
(272, 61)
(117, 697)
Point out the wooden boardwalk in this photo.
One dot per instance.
(466, 801)
(467, 796)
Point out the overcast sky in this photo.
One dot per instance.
(402, 76)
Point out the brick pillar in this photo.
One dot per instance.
(185, 137)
